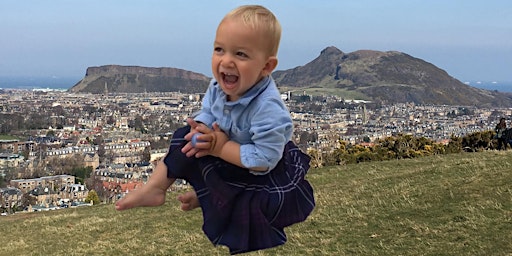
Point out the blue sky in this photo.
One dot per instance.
(471, 40)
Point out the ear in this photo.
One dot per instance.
(269, 66)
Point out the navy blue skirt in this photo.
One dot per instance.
(243, 211)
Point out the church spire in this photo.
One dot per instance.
(106, 89)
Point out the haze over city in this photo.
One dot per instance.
(471, 40)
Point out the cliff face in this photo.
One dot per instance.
(164, 71)
(387, 77)
(134, 79)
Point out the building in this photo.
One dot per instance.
(10, 160)
(74, 192)
(53, 182)
(92, 160)
(10, 197)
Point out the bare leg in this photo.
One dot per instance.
(150, 194)
(188, 201)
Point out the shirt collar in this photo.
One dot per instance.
(252, 93)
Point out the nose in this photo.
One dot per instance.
(227, 60)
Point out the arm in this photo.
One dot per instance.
(271, 128)
(213, 142)
(218, 144)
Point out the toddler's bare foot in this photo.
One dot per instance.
(188, 201)
(145, 196)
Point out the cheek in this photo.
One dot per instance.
(214, 65)
(252, 73)
(213, 61)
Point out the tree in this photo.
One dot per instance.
(50, 133)
(27, 199)
(316, 158)
(137, 123)
(146, 154)
(66, 165)
(81, 173)
(101, 147)
(92, 196)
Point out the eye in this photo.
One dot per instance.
(218, 49)
(242, 54)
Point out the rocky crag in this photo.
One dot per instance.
(134, 79)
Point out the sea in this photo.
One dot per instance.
(64, 83)
(499, 86)
(31, 82)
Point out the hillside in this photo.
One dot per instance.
(386, 77)
(133, 79)
(382, 77)
(458, 204)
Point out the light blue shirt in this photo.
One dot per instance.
(259, 121)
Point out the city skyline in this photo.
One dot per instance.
(471, 40)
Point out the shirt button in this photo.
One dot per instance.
(226, 111)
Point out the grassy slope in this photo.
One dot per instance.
(7, 137)
(457, 204)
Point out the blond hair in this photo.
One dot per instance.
(259, 18)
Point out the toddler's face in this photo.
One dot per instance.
(240, 58)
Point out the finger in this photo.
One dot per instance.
(186, 148)
(192, 123)
(192, 152)
(201, 153)
(203, 129)
(201, 125)
(189, 135)
(205, 137)
(202, 146)
(216, 127)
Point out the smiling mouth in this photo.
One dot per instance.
(229, 79)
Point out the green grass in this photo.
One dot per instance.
(459, 204)
(7, 137)
(328, 90)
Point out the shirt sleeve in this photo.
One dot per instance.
(271, 127)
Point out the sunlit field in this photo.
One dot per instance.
(458, 204)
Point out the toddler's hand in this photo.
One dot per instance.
(212, 141)
(195, 140)
(219, 138)
(194, 137)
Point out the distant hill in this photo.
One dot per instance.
(387, 77)
(382, 77)
(134, 79)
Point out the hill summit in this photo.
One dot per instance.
(387, 77)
